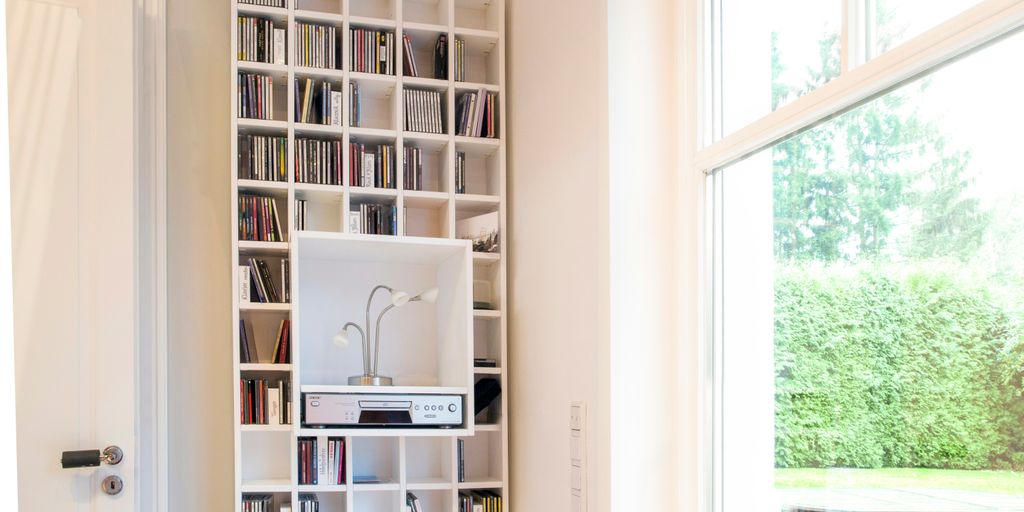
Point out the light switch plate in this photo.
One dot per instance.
(578, 456)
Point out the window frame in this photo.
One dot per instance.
(862, 78)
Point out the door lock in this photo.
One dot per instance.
(111, 455)
(112, 485)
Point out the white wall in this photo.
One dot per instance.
(594, 217)
(198, 259)
(558, 230)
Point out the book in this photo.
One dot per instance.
(412, 502)
(460, 60)
(279, 46)
(255, 96)
(409, 67)
(460, 172)
(274, 406)
(355, 105)
(300, 214)
(441, 57)
(412, 168)
(475, 114)
(258, 219)
(266, 3)
(244, 284)
(461, 460)
(262, 157)
(256, 397)
(247, 344)
(258, 503)
(336, 100)
(374, 219)
(355, 222)
(318, 161)
(255, 39)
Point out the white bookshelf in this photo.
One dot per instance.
(421, 461)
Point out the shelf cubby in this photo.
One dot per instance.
(478, 14)
(378, 102)
(328, 501)
(428, 462)
(482, 458)
(434, 158)
(431, 12)
(265, 453)
(483, 169)
(481, 60)
(324, 207)
(279, 111)
(422, 219)
(373, 500)
(492, 413)
(378, 9)
(335, 7)
(374, 457)
(433, 500)
(424, 41)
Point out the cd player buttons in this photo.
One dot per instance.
(451, 408)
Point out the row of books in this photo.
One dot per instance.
(256, 284)
(259, 41)
(265, 3)
(262, 157)
(263, 404)
(255, 96)
(479, 501)
(308, 503)
(318, 161)
(372, 51)
(301, 215)
(258, 219)
(374, 219)
(410, 68)
(475, 115)
(460, 172)
(412, 167)
(247, 342)
(371, 166)
(423, 111)
(317, 46)
(461, 456)
(258, 503)
(321, 460)
(460, 60)
(317, 102)
(412, 503)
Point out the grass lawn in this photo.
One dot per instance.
(1005, 482)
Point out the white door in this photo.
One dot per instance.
(71, 125)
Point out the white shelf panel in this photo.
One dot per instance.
(363, 21)
(488, 483)
(486, 258)
(386, 390)
(381, 487)
(250, 247)
(308, 72)
(323, 488)
(266, 486)
(277, 70)
(487, 427)
(274, 12)
(384, 432)
(372, 77)
(425, 83)
(424, 199)
(263, 185)
(487, 371)
(266, 428)
(428, 484)
(477, 145)
(265, 367)
(319, 17)
(374, 133)
(262, 124)
(370, 193)
(424, 27)
(477, 40)
(265, 306)
(486, 313)
(302, 128)
(319, 192)
(475, 86)
(477, 202)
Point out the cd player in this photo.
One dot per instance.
(379, 410)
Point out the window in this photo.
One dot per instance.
(867, 311)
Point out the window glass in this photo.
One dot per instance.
(872, 291)
(769, 56)
(899, 20)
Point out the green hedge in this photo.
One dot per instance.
(875, 369)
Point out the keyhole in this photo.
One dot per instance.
(112, 485)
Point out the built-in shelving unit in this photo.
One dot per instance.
(422, 461)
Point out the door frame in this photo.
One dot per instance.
(150, 141)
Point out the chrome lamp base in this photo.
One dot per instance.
(369, 380)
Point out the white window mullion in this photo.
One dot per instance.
(858, 33)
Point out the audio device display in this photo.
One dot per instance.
(379, 410)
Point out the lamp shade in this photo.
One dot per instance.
(429, 295)
(341, 338)
(399, 298)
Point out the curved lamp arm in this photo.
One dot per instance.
(366, 339)
(376, 341)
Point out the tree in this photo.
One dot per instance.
(839, 186)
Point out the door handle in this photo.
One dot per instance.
(111, 455)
